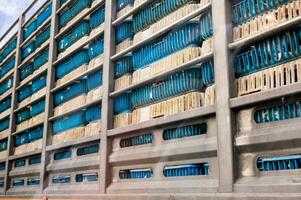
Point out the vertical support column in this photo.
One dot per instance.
(107, 103)
(224, 76)
(12, 121)
(49, 98)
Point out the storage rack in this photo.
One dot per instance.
(232, 147)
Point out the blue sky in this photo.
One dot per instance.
(10, 10)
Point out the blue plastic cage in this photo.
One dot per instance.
(6, 85)
(39, 83)
(93, 113)
(4, 124)
(28, 49)
(25, 92)
(123, 103)
(69, 122)
(43, 36)
(29, 29)
(37, 108)
(94, 80)
(41, 59)
(124, 32)
(26, 71)
(8, 66)
(186, 170)
(5, 104)
(279, 163)
(135, 174)
(123, 66)
(23, 115)
(97, 17)
(87, 150)
(44, 15)
(185, 131)
(10, 47)
(207, 73)
(136, 140)
(96, 48)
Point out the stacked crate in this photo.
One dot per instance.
(161, 71)
(267, 65)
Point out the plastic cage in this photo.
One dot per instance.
(186, 170)
(87, 150)
(5, 104)
(82, 178)
(8, 66)
(37, 108)
(34, 160)
(135, 174)
(72, 10)
(61, 179)
(97, 17)
(123, 3)
(79, 31)
(69, 122)
(18, 183)
(43, 36)
(72, 91)
(179, 83)
(185, 131)
(96, 48)
(23, 115)
(62, 155)
(29, 29)
(123, 66)
(207, 73)
(41, 59)
(206, 26)
(2, 166)
(26, 71)
(94, 80)
(124, 32)
(25, 92)
(76, 60)
(33, 182)
(44, 15)
(156, 11)
(39, 83)
(93, 113)
(6, 85)
(28, 49)
(290, 162)
(167, 44)
(20, 163)
(4, 124)
(3, 144)
(123, 103)
(136, 140)
(10, 47)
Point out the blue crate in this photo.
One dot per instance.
(120, 4)
(186, 170)
(41, 59)
(26, 71)
(38, 84)
(1, 183)
(207, 73)
(97, 17)
(80, 30)
(35, 134)
(96, 48)
(156, 11)
(5, 104)
(18, 183)
(33, 182)
(87, 150)
(44, 15)
(29, 29)
(34, 160)
(43, 36)
(63, 1)
(37, 108)
(8, 66)
(10, 47)
(278, 113)
(124, 32)
(136, 140)
(93, 113)
(6, 85)
(72, 91)
(2, 166)
(72, 10)
(1, 57)
(24, 93)
(61, 179)
(60, 155)
(23, 115)
(279, 163)
(123, 104)
(3, 144)
(185, 131)
(76, 60)
(206, 26)
(28, 50)
(20, 139)
(179, 83)
(83, 178)
(123, 66)
(69, 122)
(167, 44)
(4, 124)
(94, 80)
(20, 163)
(245, 10)
(267, 53)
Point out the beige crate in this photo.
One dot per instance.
(20, 149)
(72, 74)
(22, 126)
(93, 128)
(123, 82)
(123, 45)
(279, 76)
(70, 105)
(141, 114)
(96, 61)
(35, 145)
(3, 154)
(123, 11)
(122, 120)
(207, 46)
(94, 94)
(38, 94)
(5, 113)
(141, 74)
(209, 96)
(24, 102)
(73, 47)
(69, 135)
(36, 120)
(97, 30)
(4, 134)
